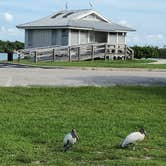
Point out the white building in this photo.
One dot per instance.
(73, 27)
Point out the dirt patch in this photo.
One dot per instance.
(137, 158)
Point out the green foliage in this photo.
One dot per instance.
(162, 52)
(7, 46)
(145, 52)
(34, 121)
(149, 52)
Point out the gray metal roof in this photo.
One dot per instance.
(71, 19)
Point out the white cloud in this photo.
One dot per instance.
(134, 39)
(8, 17)
(2, 29)
(146, 39)
(124, 23)
(155, 37)
(8, 31)
(141, 5)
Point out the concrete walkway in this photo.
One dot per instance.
(159, 61)
(18, 75)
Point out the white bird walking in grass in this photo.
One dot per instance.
(134, 137)
(70, 139)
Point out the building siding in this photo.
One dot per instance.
(26, 39)
(38, 38)
(83, 37)
(43, 38)
(112, 38)
(121, 39)
(65, 37)
(56, 37)
(74, 37)
(93, 17)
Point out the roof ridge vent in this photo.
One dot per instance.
(68, 14)
(56, 15)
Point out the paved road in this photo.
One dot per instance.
(16, 75)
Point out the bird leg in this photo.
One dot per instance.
(133, 146)
(66, 146)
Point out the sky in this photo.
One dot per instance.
(148, 17)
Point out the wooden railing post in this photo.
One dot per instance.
(78, 53)
(53, 54)
(125, 51)
(92, 52)
(105, 52)
(19, 57)
(35, 57)
(116, 49)
(69, 53)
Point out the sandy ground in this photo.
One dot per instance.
(11, 75)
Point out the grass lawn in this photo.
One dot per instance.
(102, 63)
(33, 122)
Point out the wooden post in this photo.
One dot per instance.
(69, 53)
(117, 43)
(53, 54)
(35, 57)
(105, 52)
(125, 52)
(19, 57)
(92, 52)
(78, 53)
(10, 55)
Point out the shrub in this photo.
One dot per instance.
(145, 52)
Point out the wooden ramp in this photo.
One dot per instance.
(78, 52)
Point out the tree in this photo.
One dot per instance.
(7, 46)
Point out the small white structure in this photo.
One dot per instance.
(73, 27)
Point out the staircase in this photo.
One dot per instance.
(130, 53)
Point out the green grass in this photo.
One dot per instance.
(33, 122)
(102, 63)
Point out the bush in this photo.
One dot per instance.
(146, 52)
(162, 52)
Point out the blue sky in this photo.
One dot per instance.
(148, 17)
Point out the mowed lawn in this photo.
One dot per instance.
(33, 122)
(100, 63)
